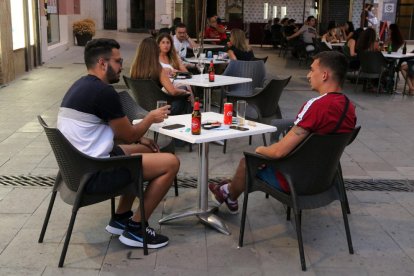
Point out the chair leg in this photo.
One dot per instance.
(68, 235)
(143, 219)
(267, 195)
(288, 213)
(342, 187)
(112, 207)
(250, 140)
(264, 140)
(347, 230)
(176, 186)
(46, 221)
(243, 218)
(300, 241)
(356, 83)
(225, 146)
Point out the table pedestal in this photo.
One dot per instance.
(203, 212)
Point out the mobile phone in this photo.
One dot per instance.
(174, 126)
(239, 128)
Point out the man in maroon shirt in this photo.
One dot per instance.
(320, 115)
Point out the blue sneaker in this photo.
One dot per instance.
(117, 225)
(132, 237)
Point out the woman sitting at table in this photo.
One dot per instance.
(409, 75)
(237, 48)
(395, 37)
(367, 41)
(350, 50)
(169, 58)
(146, 65)
(331, 35)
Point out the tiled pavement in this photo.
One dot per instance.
(381, 222)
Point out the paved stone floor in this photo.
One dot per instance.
(381, 222)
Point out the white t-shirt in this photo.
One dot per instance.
(181, 47)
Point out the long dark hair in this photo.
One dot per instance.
(397, 39)
(366, 41)
(146, 64)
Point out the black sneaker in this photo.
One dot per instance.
(117, 225)
(132, 237)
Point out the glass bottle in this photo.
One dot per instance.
(196, 118)
(211, 72)
(404, 50)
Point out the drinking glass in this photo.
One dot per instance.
(160, 104)
(241, 112)
(196, 50)
(200, 66)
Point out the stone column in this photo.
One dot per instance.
(6, 45)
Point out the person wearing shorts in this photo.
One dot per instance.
(91, 118)
(320, 115)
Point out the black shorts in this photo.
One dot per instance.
(109, 181)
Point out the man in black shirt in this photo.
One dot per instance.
(91, 118)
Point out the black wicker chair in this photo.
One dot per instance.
(75, 169)
(263, 105)
(310, 171)
(373, 66)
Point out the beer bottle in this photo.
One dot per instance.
(404, 51)
(196, 119)
(389, 48)
(211, 72)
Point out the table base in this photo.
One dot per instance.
(206, 217)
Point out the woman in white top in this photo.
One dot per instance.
(170, 60)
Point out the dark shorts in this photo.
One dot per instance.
(274, 178)
(109, 181)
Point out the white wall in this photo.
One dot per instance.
(49, 52)
(123, 15)
(93, 9)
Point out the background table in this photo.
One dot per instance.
(220, 80)
(202, 211)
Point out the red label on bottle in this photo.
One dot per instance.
(195, 125)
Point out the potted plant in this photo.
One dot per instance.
(83, 31)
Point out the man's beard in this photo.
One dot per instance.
(111, 75)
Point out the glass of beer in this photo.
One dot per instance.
(241, 112)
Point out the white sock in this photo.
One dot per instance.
(225, 188)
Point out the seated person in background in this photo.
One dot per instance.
(182, 41)
(267, 30)
(409, 76)
(146, 65)
(91, 118)
(367, 41)
(170, 61)
(175, 23)
(350, 50)
(347, 30)
(215, 30)
(320, 115)
(291, 28)
(307, 33)
(395, 37)
(277, 32)
(331, 34)
(237, 48)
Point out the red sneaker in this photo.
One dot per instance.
(219, 196)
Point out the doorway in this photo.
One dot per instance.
(142, 14)
(110, 15)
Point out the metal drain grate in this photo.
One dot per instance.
(191, 182)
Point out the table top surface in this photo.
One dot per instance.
(207, 60)
(398, 55)
(220, 80)
(184, 133)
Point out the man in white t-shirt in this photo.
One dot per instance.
(182, 41)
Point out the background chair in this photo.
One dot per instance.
(246, 69)
(75, 169)
(263, 105)
(264, 59)
(373, 66)
(133, 111)
(146, 94)
(310, 170)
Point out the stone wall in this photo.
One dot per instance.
(7, 72)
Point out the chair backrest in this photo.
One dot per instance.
(246, 69)
(264, 59)
(410, 64)
(131, 109)
(372, 62)
(312, 166)
(145, 92)
(266, 102)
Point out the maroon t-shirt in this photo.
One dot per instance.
(318, 115)
(321, 114)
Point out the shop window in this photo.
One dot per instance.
(274, 11)
(52, 17)
(266, 11)
(17, 17)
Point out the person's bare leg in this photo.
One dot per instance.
(160, 169)
(126, 201)
(236, 187)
